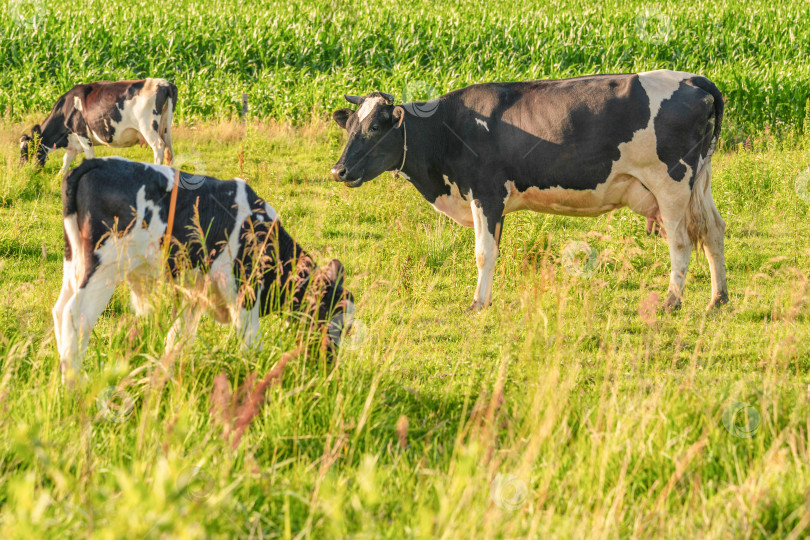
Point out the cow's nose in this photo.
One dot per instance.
(339, 172)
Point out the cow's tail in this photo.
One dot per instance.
(70, 221)
(166, 102)
(702, 213)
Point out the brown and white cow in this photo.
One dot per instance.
(229, 254)
(576, 147)
(116, 114)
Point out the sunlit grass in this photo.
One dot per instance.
(567, 409)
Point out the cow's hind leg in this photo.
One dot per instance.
(487, 220)
(674, 207)
(168, 152)
(680, 251)
(70, 155)
(67, 292)
(79, 315)
(157, 145)
(667, 213)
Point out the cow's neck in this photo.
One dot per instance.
(290, 269)
(54, 132)
(422, 161)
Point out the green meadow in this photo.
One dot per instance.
(571, 408)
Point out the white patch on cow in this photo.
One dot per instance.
(482, 124)
(455, 206)
(272, 215)
(368, 107)
(660, 85)
(77, 103)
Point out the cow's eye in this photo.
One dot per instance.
(374, 129)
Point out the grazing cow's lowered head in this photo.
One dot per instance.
(376, 140)
(25, 146)
(319, 295)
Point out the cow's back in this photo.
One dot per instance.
(570, 132)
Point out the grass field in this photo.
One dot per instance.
(571, 408)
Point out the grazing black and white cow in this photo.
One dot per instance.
(576, 147)
(115, 218)
(116, 114)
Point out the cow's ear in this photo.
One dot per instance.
(399, 115)
(334, 273)
(36, 129)
(341, 116)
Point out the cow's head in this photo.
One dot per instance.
(26, 142)
(376, 141)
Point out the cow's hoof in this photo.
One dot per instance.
(673, 303)
(475, 307)
(718, 301)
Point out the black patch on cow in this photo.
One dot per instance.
(155, 125)
(68, 250)
(677, 139)
(164, 93)
(572, 138)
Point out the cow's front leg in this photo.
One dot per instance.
(246, 321)
(487, 220)
(184, 329)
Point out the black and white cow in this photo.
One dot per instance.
(115, 217)
(576, 147)
(116, 114)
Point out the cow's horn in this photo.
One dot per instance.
(388, 97)
(355, 100)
